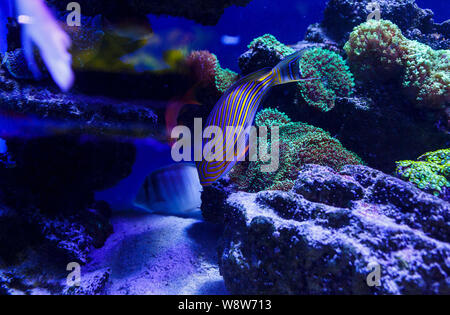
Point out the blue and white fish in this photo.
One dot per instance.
(237, 108)
(156, 184)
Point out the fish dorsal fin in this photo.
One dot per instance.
(289, 68)
(254, 76)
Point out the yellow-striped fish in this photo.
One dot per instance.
(237, 108)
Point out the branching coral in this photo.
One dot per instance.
(206, 70)
(334, 78)
(377, 50)
(430, 173)
(300, 144)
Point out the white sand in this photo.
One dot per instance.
(154, 254)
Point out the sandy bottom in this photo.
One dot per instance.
(155, 254)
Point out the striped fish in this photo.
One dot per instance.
(237, 108)
(173, 189)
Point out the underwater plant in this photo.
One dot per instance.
(335, 78)
(431, 172)
(377, 50)
(206, 70)
(300, 144)
(40, 29)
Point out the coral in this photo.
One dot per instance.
(264, 51)
(377, 50)
(335, 78)
(341, 16)
(427, 76)
(323, 236)
(224, 78)
(206, 71)
(269, 41)
(431, 172)
(271, 117)
(202, 67)
(299, 144)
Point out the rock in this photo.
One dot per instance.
(91, 113)
(203, 12)
(214, 197)
(321, 187)
(62, 236)
(341, 16)
(300, 242)
(93, 283)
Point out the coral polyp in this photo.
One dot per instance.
(377, 50)
(205, 68)
(333, 78)
(431, 172)
(299, 144)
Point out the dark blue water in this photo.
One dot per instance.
(286, 19)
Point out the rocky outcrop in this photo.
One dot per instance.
(331, 231)
(341, 16)
(61, 148)
(91, 113)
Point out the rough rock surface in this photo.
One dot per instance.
(201, 11)
(95, 113)
(341, 16)
(325, 236)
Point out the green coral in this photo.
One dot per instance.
(377, 50)
(299, 144)
(430, 173)
(334, 78)
(271, 43)
(224, 78)
(427, 75)
(333, 74)
(270, 117)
